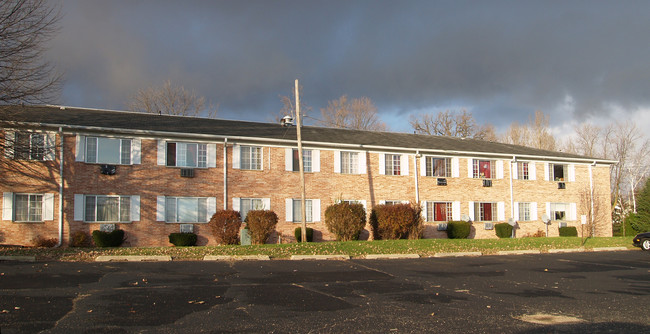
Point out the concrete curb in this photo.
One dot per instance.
(18, 258)
(566, 250)
(609, 249)
(236, 258)
(457, 254)
(320, 257)
(391, 256)
(132, 258)
(519, 252)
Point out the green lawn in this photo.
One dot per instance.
(423, 247)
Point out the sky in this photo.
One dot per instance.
(501, 60)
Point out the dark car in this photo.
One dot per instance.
(642, 240)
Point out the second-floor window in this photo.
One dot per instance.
(484, 169)
(306, 160)
(29, 146)
(558, 172)
(440, 167)
(108, 150)
(180, 154)
(393, 164)
(349, 162)
(522, 171)
(251, 157)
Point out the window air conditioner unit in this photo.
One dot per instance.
(487, 183)
(187, 228)
(108, 169)
(442, 181)
(489, 226)
(442, 227)
(107, 227)
(187, 172)
(561, 185)
(562, 224)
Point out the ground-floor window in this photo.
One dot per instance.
(28, 207)
(485, 211)
(102, 208)
(439, 211)
(186, 209)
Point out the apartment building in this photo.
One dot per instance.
(67, 169)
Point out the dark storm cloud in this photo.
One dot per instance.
(502, 59)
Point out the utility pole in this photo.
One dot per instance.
(303, 227)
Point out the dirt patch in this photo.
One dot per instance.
(549, 319)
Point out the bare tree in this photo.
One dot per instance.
(534, 134)
(25, 28)
(624, 144)
(289, 108)
(171, 100)
(451, 124)
(359, 114)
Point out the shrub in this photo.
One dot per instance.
(298, 234)
(503, 230)
(44, 242)
(182, 239)
(399, 221)
(108, 239)
(458, 229)
(345, 220)
(537, 234)
(636, 223)
(261, 223)
(225, 225)
(569, 231)
(80, 239)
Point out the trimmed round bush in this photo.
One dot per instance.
(345, 221)
(182, 239)
(261, 223)
(108, 239)
(458, 229)
(503, 230)
(225, 225)
(569, 231)
(298, 234)
(398, 221)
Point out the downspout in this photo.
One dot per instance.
(591, 199)
(225, 173)
(60, 241)
(415, 167)
(512, 202)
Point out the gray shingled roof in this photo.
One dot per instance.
(128, 121)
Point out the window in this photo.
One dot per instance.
(306, 160)
(251, 157)
(108, 150)
(485, 212)
(484, 169)
(439, 211)
(180, 154)
(29, 146)
(297, 211)
(392, 202)
(248, 204)
(392, 164)
(107, 208)
(349, 162)
(559, 211)
(28, 207)
(524, 212)
(440, 167)
(186, 209)
(558, 172)
(522, 171)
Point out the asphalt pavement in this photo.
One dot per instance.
(604, 292)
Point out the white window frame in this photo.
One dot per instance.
(565, 172)
(476, 169)
(349, 162)
(201, 209)
(393, 164)
(125, 150)
(237, 204)
(45, 148)
(180, 154)
(556, 208)
(293, 214)
(524, 211)
(479, 211)
(307, 160)
(124, 216)
(250, 157)
(523, 170)
(430, 166)
(431, 211)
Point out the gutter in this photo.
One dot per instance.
(225, 173)
(60, 241)
(512, 202)
(417, 186)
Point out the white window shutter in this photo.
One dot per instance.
(364, 203)
(499, 169)
(455, 210)
(470, 169)
(7, 206)
(515, 171)
(236, 157)
(455, 170)
(315, 161)
(136, 151)
(48, 206)
(161, 152)
(532, 171)
(515, 211)
(78, 207)
(405, 164)
(382, 164)
(236, 202)
(572, 173)
(288, 209)
(266, 203)
(337, 161)
(212, 206)
(315, 210)
(50, 145)
(212, 157)
(546, 171)
(423, 205)
(362, 163)
(501, 211)
(548, 210)
(471, 211)
(382, 202)
(288, 159)
(80, 148)
(160, 208)
(533, 211)
(572, 211)
(135, 208)
(423, 166)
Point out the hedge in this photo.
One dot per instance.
(503, 230)
(261, 223)
(398, 221)
(569, 231)
(298, 234)
(108, 239)
(182, 239)
(458, 229)
(345, 220)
